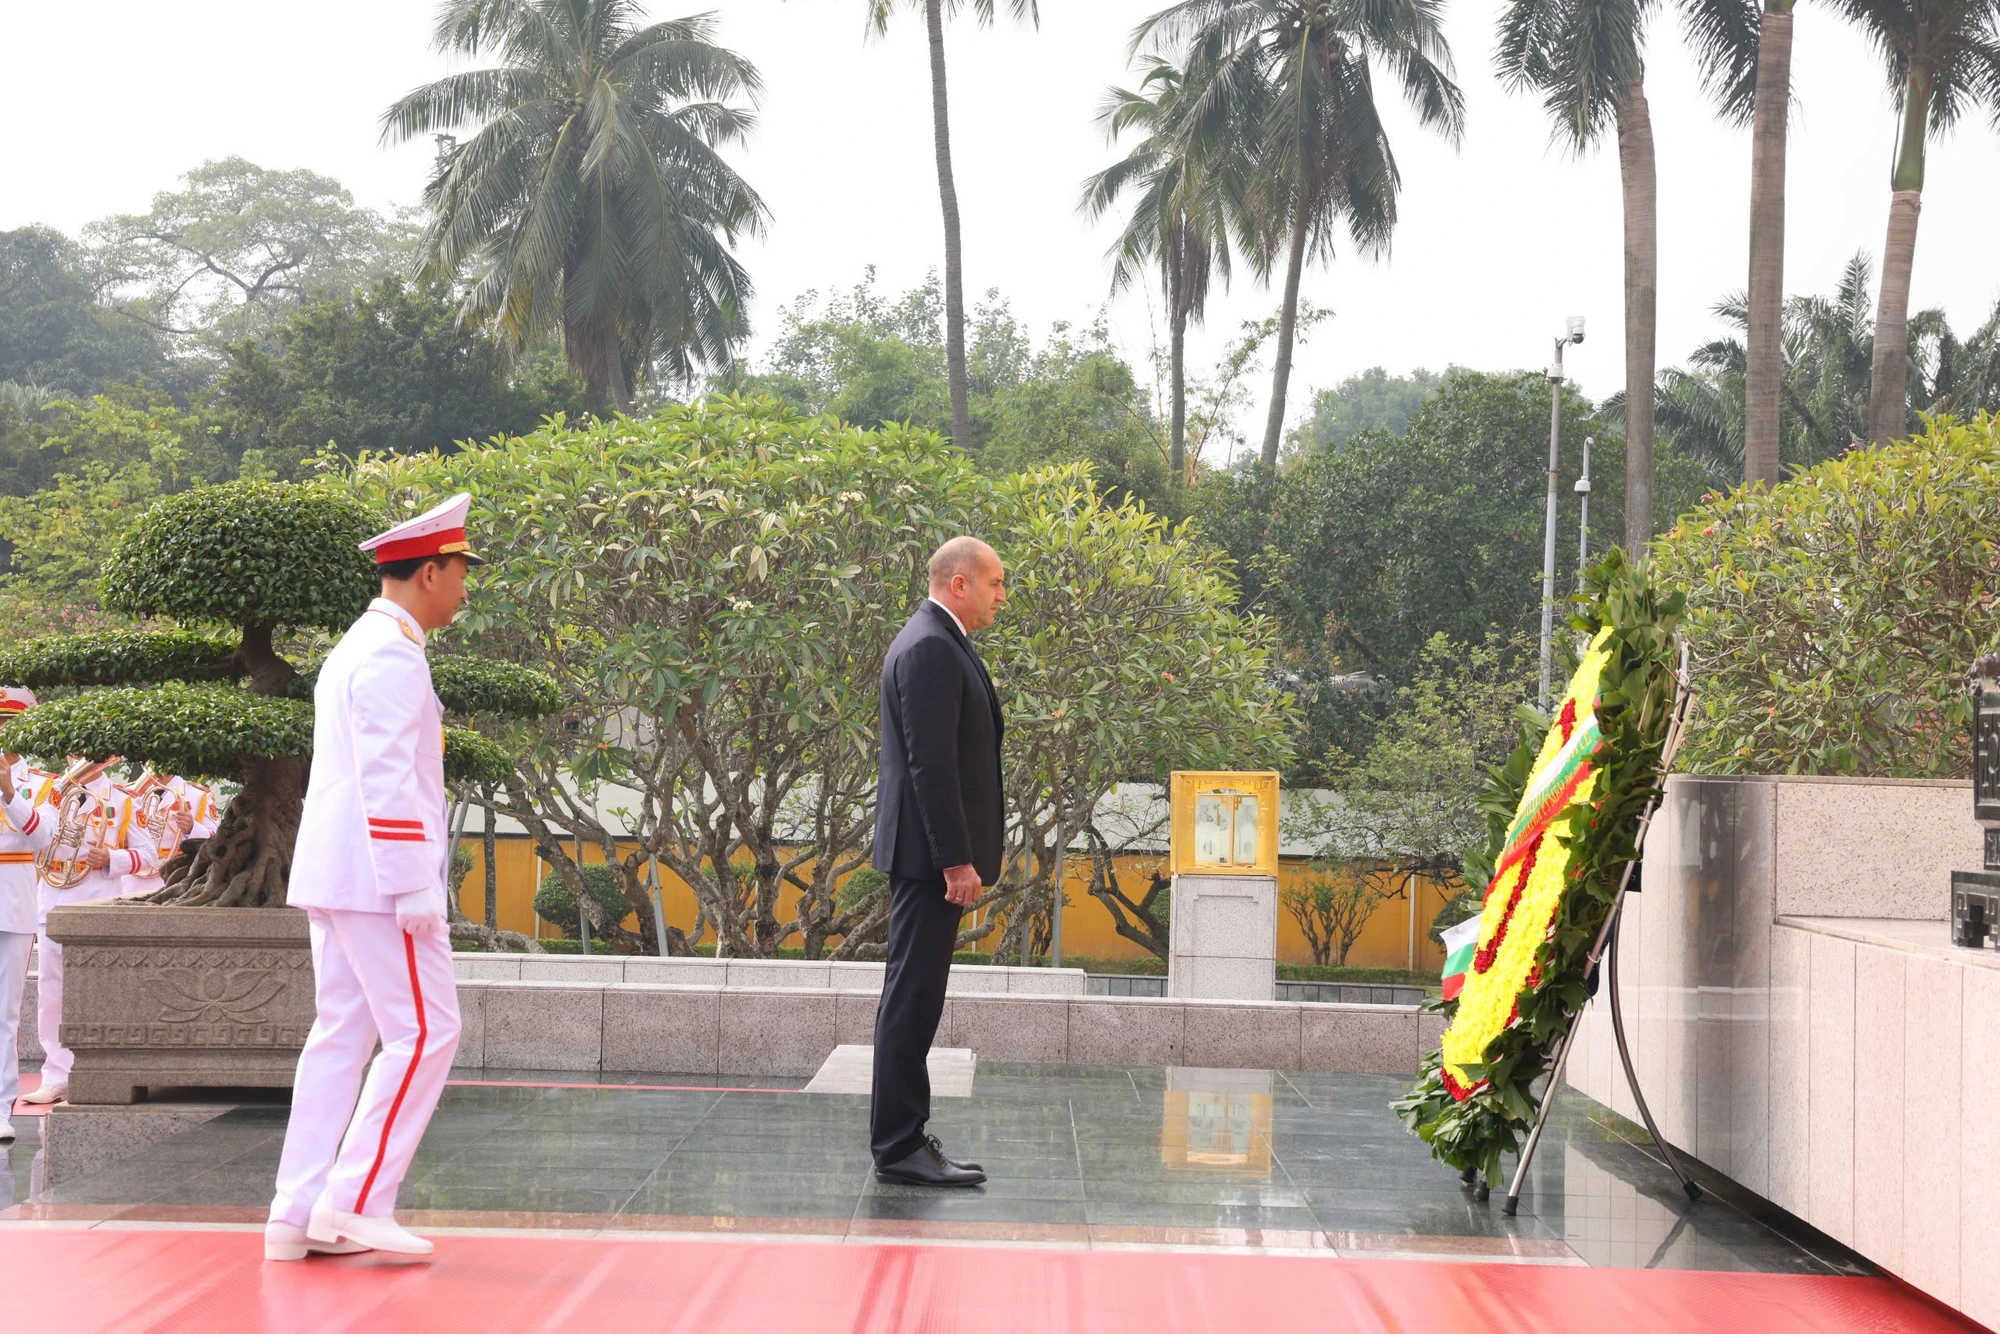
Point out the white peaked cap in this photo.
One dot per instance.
(15, 699)
(436, 532)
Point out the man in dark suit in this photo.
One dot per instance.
(938, 830)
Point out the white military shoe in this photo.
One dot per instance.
(6, 1131)
(288, 1241)
(46, 1094)
(330, 1225)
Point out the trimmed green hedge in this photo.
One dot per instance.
(116, 657)
(473, 686)
(178, 728)
(246, 553)
(476, 687)
(1833, 618)
(204, 730)
(557, 906)
(472, 758)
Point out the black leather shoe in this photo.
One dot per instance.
(933, 1141)
(928, 1167)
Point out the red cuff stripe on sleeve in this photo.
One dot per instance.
(135, 861)
(382, 837)
(395, 824)
(33, 820)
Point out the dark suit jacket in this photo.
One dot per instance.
(938, 800)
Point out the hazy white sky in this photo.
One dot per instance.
(1501, 238)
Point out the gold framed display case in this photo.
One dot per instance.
(1223, 823)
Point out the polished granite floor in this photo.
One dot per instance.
(1077, 1156)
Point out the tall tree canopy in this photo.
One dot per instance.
(54, 334)
(392, 370)
(1362, 554)
(593, 199)
(1290, 85)
(1183, 209)
(240, 247)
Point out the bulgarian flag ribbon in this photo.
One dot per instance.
(1529, 879)
(1459, 943)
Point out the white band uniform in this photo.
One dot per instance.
(25, 829)
(112, 823)
(373, 830)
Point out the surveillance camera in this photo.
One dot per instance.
(1576, 328)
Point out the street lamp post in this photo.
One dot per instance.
(1573, 334)
(1583, 512)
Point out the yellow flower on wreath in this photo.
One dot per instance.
(1529, 876)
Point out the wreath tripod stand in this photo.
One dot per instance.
(1607, 936)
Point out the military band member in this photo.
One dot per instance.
(25, 829)
(369, 869)
(113, 845)
(193, 814)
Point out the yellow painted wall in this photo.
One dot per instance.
(1088, 928)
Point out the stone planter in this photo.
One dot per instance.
(158, 997)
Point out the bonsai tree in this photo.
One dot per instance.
(241, 568)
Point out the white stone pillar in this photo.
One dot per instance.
(1223, 938)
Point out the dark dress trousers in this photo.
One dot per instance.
(938, 805)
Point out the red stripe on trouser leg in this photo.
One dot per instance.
(409, 1073)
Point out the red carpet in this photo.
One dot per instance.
(217, 1282)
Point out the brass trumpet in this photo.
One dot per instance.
(77, 827)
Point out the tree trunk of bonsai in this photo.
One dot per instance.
(1764, 348)
(248, 861)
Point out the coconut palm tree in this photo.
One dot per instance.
(1290, 85)
(592, 200)
(1829, 350)
(1763, 371)
(935, 13)
(1181, 218)
(1587, 60)
(1943, 60)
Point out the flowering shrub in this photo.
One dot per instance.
(1834, 616)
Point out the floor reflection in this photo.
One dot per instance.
(1217, 1121)
(1075, 1155)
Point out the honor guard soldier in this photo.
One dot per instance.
(369, 869)
(25, 829)
(99, 839)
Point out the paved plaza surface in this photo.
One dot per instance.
(1120, 1199)
(1078, 1156)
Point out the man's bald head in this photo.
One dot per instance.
(961, 555)
(966, 576)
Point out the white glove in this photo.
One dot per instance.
(416, 916)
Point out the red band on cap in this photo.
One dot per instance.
(430, 544)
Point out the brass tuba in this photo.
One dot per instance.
(76, 827)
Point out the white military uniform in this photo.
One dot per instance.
(207, 819)
(373, 830)
(25, 829)
(112, 823)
